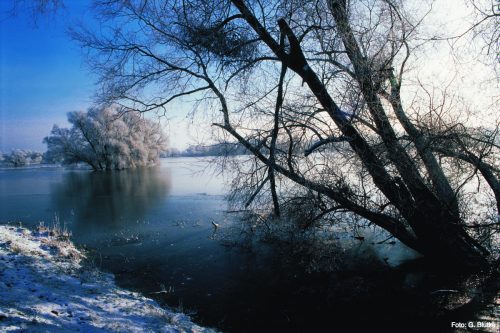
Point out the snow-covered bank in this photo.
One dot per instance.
(45, 288)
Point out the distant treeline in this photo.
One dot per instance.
(25, 157)
(218, 149)
(22, 157)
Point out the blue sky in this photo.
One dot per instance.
(42, 76)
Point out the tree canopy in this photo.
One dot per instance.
(316, 91)
(106, 139)
(21, 157)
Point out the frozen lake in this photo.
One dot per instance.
(153, 229)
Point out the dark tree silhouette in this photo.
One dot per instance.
(314, 90)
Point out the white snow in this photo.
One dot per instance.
(45, 288)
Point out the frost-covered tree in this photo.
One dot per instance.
(20, 157)
(106, 139)
(17, 158)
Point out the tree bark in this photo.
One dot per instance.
(433, 217)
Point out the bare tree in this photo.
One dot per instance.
(314, 90)
(483, 28)
(36, 9)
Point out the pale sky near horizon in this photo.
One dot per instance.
(43, 75)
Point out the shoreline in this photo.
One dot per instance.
(44, 286)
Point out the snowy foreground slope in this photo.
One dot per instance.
(44, 288)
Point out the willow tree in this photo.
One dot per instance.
(107, 139)
(314, 90)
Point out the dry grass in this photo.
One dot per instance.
(57, 230)
(57, 237)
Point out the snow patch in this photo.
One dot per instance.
(44, 287)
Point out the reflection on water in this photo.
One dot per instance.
(109, 199)
(153, 228)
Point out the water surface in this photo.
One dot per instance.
(153, 229)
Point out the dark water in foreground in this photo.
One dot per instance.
(153, 229)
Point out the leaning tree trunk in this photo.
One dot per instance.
(434, 215)
(442, 236)
(431, 211)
